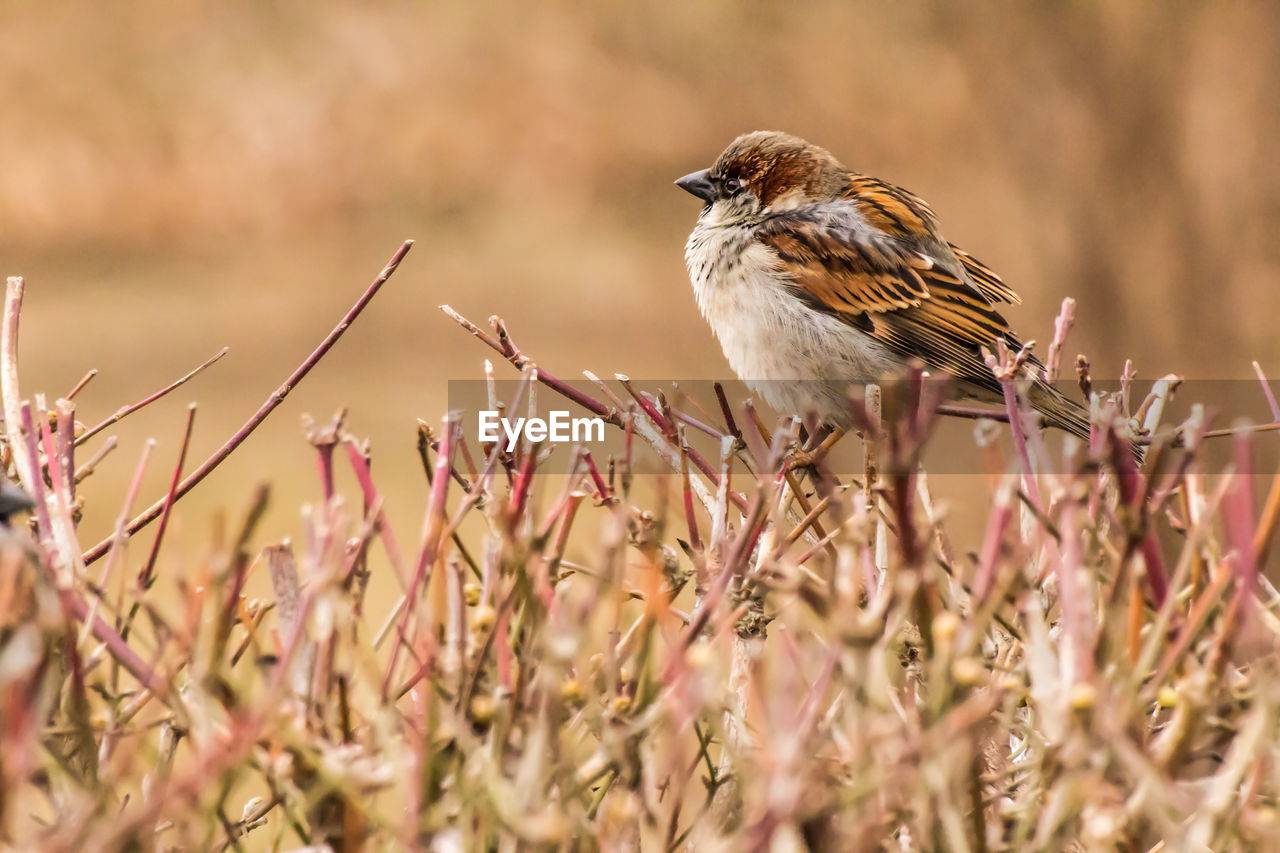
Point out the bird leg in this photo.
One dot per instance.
(809, 456)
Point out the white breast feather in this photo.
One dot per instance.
(795, 357)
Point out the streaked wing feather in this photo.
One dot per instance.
(890, 208)
(843, 271)
(990, 284)
(891, 289)
(896, 287)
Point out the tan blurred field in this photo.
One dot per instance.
(179, 179)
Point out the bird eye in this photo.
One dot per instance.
(732, 185)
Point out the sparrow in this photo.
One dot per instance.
(814, 278)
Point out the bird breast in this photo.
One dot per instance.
(797, 358)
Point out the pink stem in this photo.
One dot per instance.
(372, 499)
(595, 475)
(125, 411)
(1266, 390)
(989, 558)
(431, 535)
(146, 576)
(272, 402)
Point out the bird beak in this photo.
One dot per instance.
(696, 183)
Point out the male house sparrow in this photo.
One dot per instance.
(814, 278)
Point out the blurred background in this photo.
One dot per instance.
(179, 179)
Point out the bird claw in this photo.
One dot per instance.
(801, 459)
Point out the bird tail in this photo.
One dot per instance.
(1067, 414)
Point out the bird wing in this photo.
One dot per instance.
(843, 268)
(900, 283)
(991, 285)
(902, 214)
(891, 282)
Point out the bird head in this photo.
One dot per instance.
(764, 172)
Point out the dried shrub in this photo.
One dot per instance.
(746, 651)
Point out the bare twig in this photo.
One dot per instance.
(1267, 392)
(89, 467)
(273, 400)
(79, 386)
(147, 576)
(9, 389)
(1061, 326)
(125, 411)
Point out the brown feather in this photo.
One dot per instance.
(897, 280)
(991, 285)
(912, 291)
(843, 273)
(889, 208)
